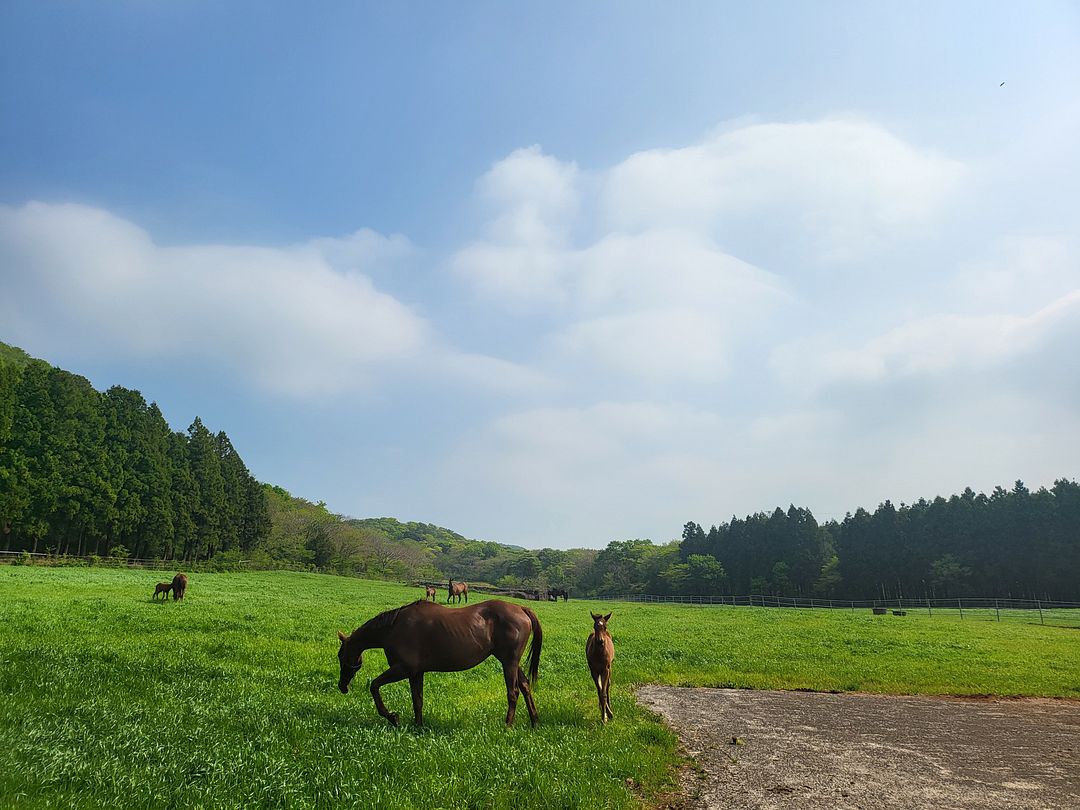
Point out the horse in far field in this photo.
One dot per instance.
(455, 590)
(429, 593)
(162, 588)
(179, 587)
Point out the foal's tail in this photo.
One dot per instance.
(532, 660)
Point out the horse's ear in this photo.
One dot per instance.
(595, 616)
(340, 635)
(607, 617)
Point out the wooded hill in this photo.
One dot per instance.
(84, 472)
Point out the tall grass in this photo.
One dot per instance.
(229, 698)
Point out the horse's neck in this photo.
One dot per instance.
(365, 639)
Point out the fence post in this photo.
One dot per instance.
(959, 605)
(996, 611)
(929, 610)
(853, 606)
(1037, 602)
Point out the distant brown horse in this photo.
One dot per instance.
(428, 637)
(600, 652)
(455, 590)
(162, 588)
(179, 586)
(430, 592)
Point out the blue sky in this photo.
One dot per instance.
(554, 275)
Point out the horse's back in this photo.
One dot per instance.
(433, 637)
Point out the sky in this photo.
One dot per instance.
(555, 275)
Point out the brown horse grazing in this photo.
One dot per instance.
(600, 652)
(163, 588)
(429, 592)
(428, 637)
(179, 586)
(455, 590)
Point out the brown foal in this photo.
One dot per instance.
(600, 652)
(162, 588)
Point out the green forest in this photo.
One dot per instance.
(91, 474)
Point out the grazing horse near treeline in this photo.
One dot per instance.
(555, 593)
(179, 586)
(428, 637)
(600, 652)
(429, 592)
(455, 590)
(162, 588)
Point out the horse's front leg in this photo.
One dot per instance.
(416, 683)
(598, 679)
(392, 675)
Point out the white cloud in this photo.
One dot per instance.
(286, 317)
(534, 196)
(931, 346)
(1022, 272)
(658, 345)
(842, 184)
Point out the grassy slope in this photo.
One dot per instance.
(229, 699)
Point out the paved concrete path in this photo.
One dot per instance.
(810, 750)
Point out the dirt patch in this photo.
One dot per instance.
(810, 750)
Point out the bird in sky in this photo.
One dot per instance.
(1002, 84)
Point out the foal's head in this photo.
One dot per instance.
(349, 661)
(599, 623)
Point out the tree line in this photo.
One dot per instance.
(83, 472)
(89, 473)
(1014, 543)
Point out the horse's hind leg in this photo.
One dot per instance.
(600, 697)
(511, 672)
(416, 684)
(526, 690)
(607, 693)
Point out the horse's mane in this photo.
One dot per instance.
(386, 619)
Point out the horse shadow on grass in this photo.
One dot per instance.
(361, 714)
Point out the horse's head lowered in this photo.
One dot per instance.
(350, 662)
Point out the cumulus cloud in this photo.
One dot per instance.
(533, 195)
(661, 303)
(842, 184)
(303, 319)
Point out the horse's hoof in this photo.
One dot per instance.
(393, 718)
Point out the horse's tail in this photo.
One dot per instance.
(532, 661)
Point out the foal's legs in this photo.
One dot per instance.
(392, 675)
(598, 678)
(607, 691)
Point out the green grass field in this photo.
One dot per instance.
(229, 699)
